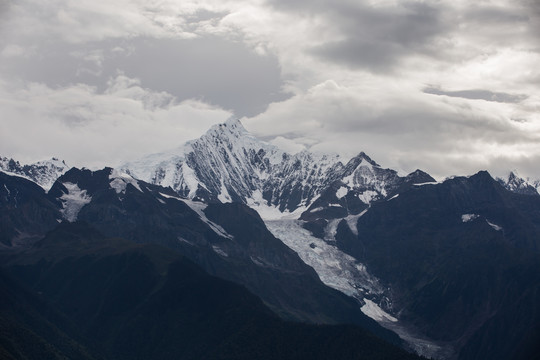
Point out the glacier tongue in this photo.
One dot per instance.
(335, 268)
(342, 272)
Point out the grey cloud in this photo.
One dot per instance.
(438, 143)
(477, 94)
(4, 14)
(221, 72)
(205, 15)
(414, 132)
(57, 64)
(486, 15)
(376, 38)
(513, 26)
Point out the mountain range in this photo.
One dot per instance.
(446, 269)
(228, 164)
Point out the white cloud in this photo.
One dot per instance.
(288, 145)
(13, 50)
(403, 128)
(77, 21)
(89, 128)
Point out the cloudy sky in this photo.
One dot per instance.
(448, 86)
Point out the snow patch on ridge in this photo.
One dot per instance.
(494, 226)
(268, 212)
(428, 183)
(367, 196)
(375, 312)
(17, 175)
(199, 209)
(224, 196)
(352, 221)
(341, 192)
(190, 179)
(119, 181)
(468, 217)
(330, 230)
(219, 251)
(73, 201)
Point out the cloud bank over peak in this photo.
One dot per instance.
(449, 86)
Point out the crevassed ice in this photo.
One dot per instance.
(375, 312)
(73, 201)
(335, 268)
(341, 272)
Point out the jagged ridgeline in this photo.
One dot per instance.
(230, 164)
(447, 269)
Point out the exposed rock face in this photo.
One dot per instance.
(461, 258)
(228, 164)
(26, 213)
(227, 240)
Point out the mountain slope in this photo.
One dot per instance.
(227, 240)
(229, 164)
(451, 259)
(462, 260)
(132, 301)
(26, 213)
(31, 329)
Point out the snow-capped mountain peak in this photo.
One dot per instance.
(517, 184)
(229, 164)
(44, 173)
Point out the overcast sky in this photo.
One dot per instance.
(447, 86)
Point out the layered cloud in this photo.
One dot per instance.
(92, 128)
(447, 86)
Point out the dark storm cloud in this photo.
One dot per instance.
(215, 70)
(478, 94)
